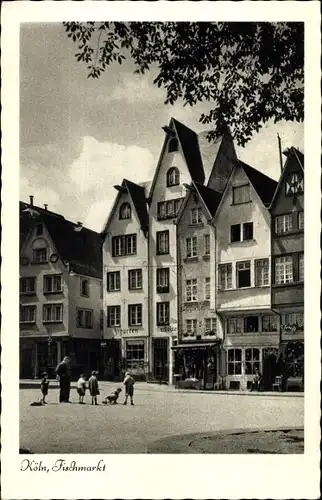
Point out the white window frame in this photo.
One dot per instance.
(192, 290)
(241, 266)
(207, 288)
(135, 315)
(163, 242)
(253, 362)
(284, 223)
(271, 323)
(84, 282)
(162, 278)
(284, 272)
(206, 244)
(225, 272)
(113, 281)
(211, 325)
(130, 244)
(53, 279)
(84, 318)
(36, 255)
(163, 313)
(125, 211)
(235, 325)
(27, 285)
(191, 326)
(124, 245)
(196, 216)
(291, 321)
(113, 316)
(135, 279)
(28, 314)
(261, 272)
(241, 194)
(235, 362)
(173, 177)
(191, 247)
(53, 317)
(135, 353)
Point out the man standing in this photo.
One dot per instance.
(64, 374)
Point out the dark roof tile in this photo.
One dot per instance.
(210, 197)
(137, 194)
(264, 186)
(190, 147)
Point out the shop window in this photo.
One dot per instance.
(251, 324)
(234, 363)
(243, 274)
(125, 211)
(252, 357)
(135, 354)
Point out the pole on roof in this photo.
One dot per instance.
(280, 151)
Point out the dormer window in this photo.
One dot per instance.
(173, 177)
(173, 145)
(125, 211)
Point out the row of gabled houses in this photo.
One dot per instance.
(197, 275)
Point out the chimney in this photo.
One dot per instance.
(31, 198)
(80, 224)
(46, 206)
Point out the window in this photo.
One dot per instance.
(53, 283)
(135, 315)
(292, 322)
(27, 285)
(234, 361)
(163, 280)
(173, 177)
(243, 274)
(283, 270)
(125, 211)
(210, 325)
(252, 361)
(114, 316)
(261, 272)
(191, 247)
(124, 245)
(196, 215)
(251, 324)
(301, 267)
(168, 209)
(283, 223)
(241, 194)
(191, 290)
(113, 281)
(27, 314)
(235, 233)
(163, 312)
(134, 353)
(84, 318)
(269, 323)
(207, 244)
(248, 231)
(135, 279)
(84, 287)
(207, 289)
(225, 276)
(39, 230)
(162, 242)
(101, 320)
(191, 326)
(173, 145)
(301, 220)
(39, 255)
(53, 313)
(294, 184)
(235, 325)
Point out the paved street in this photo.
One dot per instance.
(158, 413)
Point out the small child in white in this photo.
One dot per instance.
(93, 387)
(81, 388)
(129, 388)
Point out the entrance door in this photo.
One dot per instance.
(92, 361)
(26, 363)
(160, 359)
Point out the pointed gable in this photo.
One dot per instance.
(137, 195)
(210, 197)
(294, 159)
(190, 147)
(264, 186)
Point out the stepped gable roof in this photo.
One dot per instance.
(210, 197)
(137, 195)
(264, 186)
(79, 246)
(190, 147)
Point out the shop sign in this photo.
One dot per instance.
(125, 331)
(165, 329)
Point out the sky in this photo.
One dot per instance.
(79, 137)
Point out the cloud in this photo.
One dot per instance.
(43, 194)
(135, 89)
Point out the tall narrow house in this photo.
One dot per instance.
(287, 229)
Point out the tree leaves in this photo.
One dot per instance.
(251, 72)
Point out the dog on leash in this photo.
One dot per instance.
(113, 397)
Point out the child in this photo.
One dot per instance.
(44, 384)
(93, 387)
(81, 388)
(129, 388)
(113, 397)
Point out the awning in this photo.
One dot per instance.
(200, 345)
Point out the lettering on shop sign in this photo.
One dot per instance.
(173, 321)
(164, 329)
(125, 331)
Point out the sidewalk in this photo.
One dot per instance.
(148, 387)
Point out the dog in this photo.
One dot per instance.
(36, 403)
(113, 397)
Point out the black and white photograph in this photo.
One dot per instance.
(164, 219)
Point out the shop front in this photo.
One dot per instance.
(134, 358)
(160, 350)
(38, 355)
(196, 365)
(291, 365)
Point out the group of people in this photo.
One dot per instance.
(63, 372)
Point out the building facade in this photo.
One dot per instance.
(243, 298)
(287, 229)
(60, 293)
